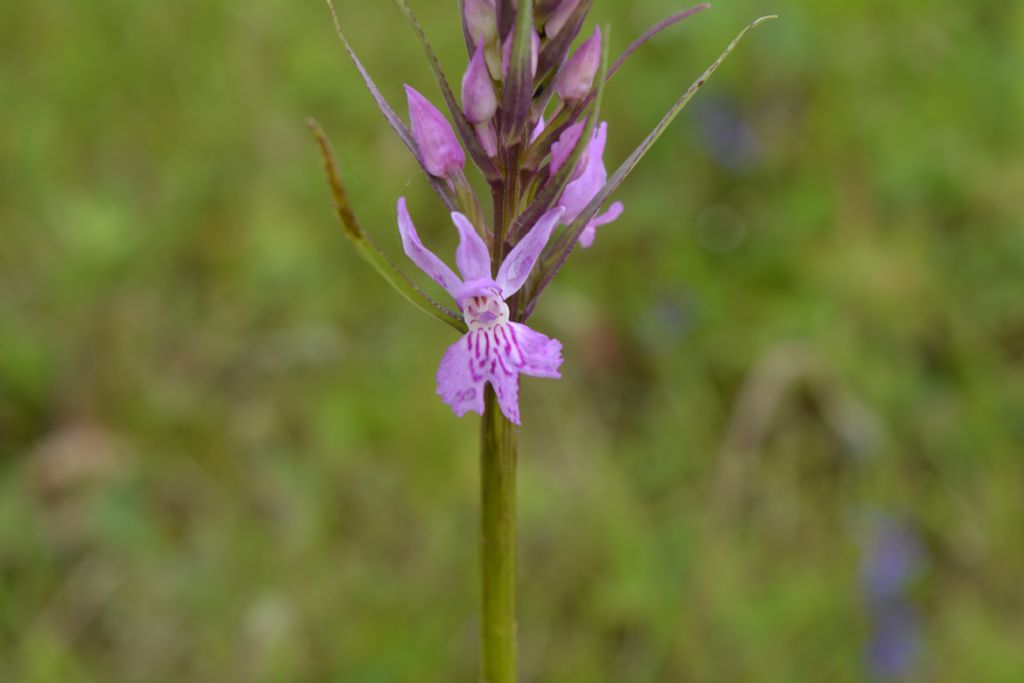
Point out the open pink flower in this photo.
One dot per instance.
(592, 176)
(495, 349)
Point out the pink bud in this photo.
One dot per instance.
(440, 152)
(478, 99)
(556, 22)
(488, 138)
(481, 21)
(577, 76)
(507, 52)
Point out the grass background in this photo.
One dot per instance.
(221, 457)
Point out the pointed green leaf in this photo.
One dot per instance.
(393, 119)
(366, 248)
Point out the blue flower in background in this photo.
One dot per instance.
(729, 139)
(893, 559)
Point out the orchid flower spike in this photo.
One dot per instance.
(439, 149)
(495, 350)
(577, 76)
(579, 193)
(540, 179)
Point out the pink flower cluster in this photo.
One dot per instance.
(529, 120)
(497, 349)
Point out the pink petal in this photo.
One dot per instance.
(590, 232)
(538, 129)
(427, 261)
(599, 142)
(581, 191)
(482, 287)
(562, 148)
(520, 261)
(504, 375)
(472, 257)
(497, 355)
(541, 355)
(457, 385)
(519, 350)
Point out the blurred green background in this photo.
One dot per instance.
(221, 455)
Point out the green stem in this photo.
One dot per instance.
(498, 544)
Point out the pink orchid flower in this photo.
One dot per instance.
(495, 350)
(589, 178)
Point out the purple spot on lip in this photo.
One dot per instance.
(487, 317)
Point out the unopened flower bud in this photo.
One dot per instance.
(493, 56)
(545, 8)
(488, 138)
(481, 21)
(478, 99)
(556, 22)
(440, 151)
(577, 76)
(506, 55)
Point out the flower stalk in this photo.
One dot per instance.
(498, 453)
